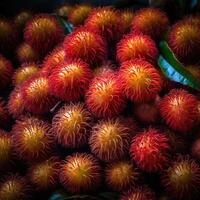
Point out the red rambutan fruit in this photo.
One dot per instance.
(43, 32)
(33, 139)
(64, 10)
(127, 18)
(36, 96)
(45, 174)
(195, 149)
(6, 72)
(86, 45)
(70, 80)
(150, 21)
(79, 14)
(137, 46)
(150, 150)
(80, 173)
(179, 110)
(104, 97)
(140, 81)
(110, 140)
(105, 68)
(71, 124)
(24, 72)
(139, 193)
(121, 176)
(22, 18)
(182, 179)
(4, 115)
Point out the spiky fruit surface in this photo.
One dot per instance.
(137, 46)
(36, 96)
(105, 68)
(182, 179)
(110, 140)
(184, 40)
(43, 32)
(140, 81)
(79, 14)
(4, 115)
(32, 137)
(26, 53)
(70, 80)
(22, 18)
(64, 10)
(121, 176)
(80, 173)
(44, 175)
(139, 193)
(150, 21)
(24, 72)
(14, 187)
(195, 149)
(71, 124)
(86, 45)
(107, 22)
(150, 150)
(6, 72)
(179, 110)
(127, 17)
(194, 70)
(104, 97)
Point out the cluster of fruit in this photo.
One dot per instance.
(93, 107)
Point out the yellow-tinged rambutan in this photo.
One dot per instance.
(127, 17)
(80, 173)
(4, 115)
(22, 18)
(64, 10)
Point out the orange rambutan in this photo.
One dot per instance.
(64, 10)
(127, 18)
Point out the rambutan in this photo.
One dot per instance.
(121, 176)
(86, 45)
(104, 97)
(182, 179)
(36, 96)
(105, 68)
(80, 173)
(110, 140)
(43, 32)
(127, 17)
(25, 71)
(150, 21)
(150, 150)
(140, 81)
(137, 46)
(33, 139)
(179, 110)
(45, 174)
(6, 72)
(4, 115)
(194, 70)
(70, 80)
(71, 124)
(22, 18)
(139, 193)
(79, 14)
(195, 149)
(64, 10)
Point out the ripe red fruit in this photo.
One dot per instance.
(80, 173)
(71, 124)
(86, 45)
(150, 21)
(4, 115)
(179, 110)
(43, 32)
(70, 80)
(140, 81)
(182, 179)
(137, 46)
(150, 150)
(110, 140)
(32, 137)
(36, 95)
(127, 17)
(104, 97)
(121, 176)
(6, 72)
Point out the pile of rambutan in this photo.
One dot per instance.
(91, 113)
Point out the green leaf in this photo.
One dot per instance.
(68, 27)
(173, 69)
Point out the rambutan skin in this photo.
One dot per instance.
(140, 81)
(137, 46)
(80, 172)
(150, 21)
(182, 179)
(110, 140)
(4, 115)
(71, 125)
(86, 45)
(104, 97)
(150, 150)
(127, 17)
(64, 10)
(70, 80)
(179, 110)
(195, 149)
